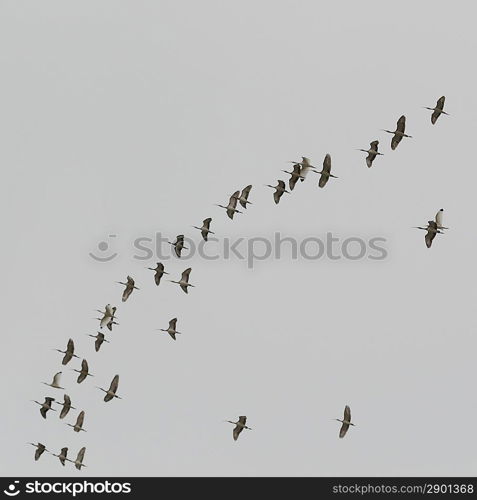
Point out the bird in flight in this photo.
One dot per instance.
(279, 190)
(130, 286)
(372, 153)
(159, 272)
(438, 109)
(346, 422)
(398, 134)
(239, 426)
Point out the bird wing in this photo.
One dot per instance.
(114, 384)
(80, 456)
(370, 158)
(160, 267)
(430, 235)
(127, 292)
(56, 379)
(401, 124)
(108, 310)
(185, 275)
(63, 455)
(172, 334)
(71, 346)
(323, 180)
(97, 343)
(130, 281)
(236, 432)
(292, 181)
(327, 164)
(440, 102)
(205, 234)
(439, 218)
(157, 278)
(243, 419)
(435, 115)
(347, 414)
(244, 195)
(374, 145)
(80, 419)
(66, 358)
(395, 140)
(84, 365)
(281, 185)
(39, 450)
(344, 430)
(277, 195)
(49, 400)
(233, 200)
(173, 323)
(184, 288)
(206, 222)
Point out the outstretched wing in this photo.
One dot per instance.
(244, 195)
(114, 384)
(327, 164)
(395, 140)
(401, 124)
(185, 275)
(236, 432)
(344, 430)
(173, 323)
(347, 414)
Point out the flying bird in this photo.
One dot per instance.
(178, 244)
(346, 421)
(431, 231)
(239, 426)
(243, 198)
(55, 383)
(438, 219)
(398, 134)
(78, 426)
(108, 316)
(99, 340)
(159, 272)
(438, 110)
(62, 455)
(231, 207)
(171, 330)
(205, 229)
(66, 406)
(79, 459)
(111, 392)
(279, 190)
(294, 176)
(84, 372)
(40, 449)
(372, 153)
(184, 281)
(68, 353)
(130, 286)
(325, 172)
(45, 406)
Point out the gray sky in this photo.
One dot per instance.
(128, 118)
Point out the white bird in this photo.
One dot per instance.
(184, 281)
(346, 421)
(231, 207)
(398, 134)
(279, 190)
(171, 330)
(243, 198)
(55, 382)
(68, 353)
(66, 406)
(45, 406)
(239, 426)
(108, 316)
(84, 372)
(130, 286)
(79, 459)
(40, 449)
(178, 244)
(111, 392)
(78, 426)
(438, 110)
(62, 455)
(159, 272)
(295, 174)
(99, 340)
(325, 172)
(205, 229)
(372, 153)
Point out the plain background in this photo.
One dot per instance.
(131, 117)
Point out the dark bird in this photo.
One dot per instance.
(62, 455)
(325, 172)
(78, 426)
(99, 340)
(231, 207)
(398, 134)
(243, 198)
(372, 153)
(45, 406)
(438, 110)
(205, 229)
(346, 422)
(84, 372)
(431, 231)
(239, 426)
(68, 353)
(178, 244)
(40, 449)
(294, 176)
(279, 190)
(130, 286)
(66, 406)
(184, 281)
(171, 330)
(159, 272)
(79, 459)
(111, 392)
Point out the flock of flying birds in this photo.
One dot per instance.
(108, 316)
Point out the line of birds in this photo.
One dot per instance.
(108, 316)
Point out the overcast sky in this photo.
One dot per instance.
(136, 117)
